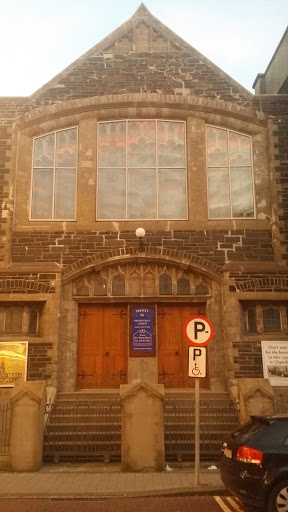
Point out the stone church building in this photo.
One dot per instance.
(143, 131)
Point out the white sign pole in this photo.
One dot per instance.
(197, 432)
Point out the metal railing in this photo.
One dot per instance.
(217, 418)
(5, 420)
(83, 431)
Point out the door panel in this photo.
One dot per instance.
(173, 346)
(102, 346)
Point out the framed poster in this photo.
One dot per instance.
(142, 342)
(275, 362)
(13, 362)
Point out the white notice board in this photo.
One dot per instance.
(275, 362)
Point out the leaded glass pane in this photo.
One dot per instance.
(112, 144)
(218, 193)
(141, 196)
(141, 144)
(165, 285)
(118, 285)
(112, 194)
(33, 321)
(183, 286)
(100, 286)
(217, 147)
(251, 320)
(201, 289)
(271, 320)
(42, 197)
(172, 194)
(13, 320)
(44, 151)
(171, 144)
(242, 192)
(240, 149)
(66, 148)
(65, 193)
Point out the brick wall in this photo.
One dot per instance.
(217, 246)
(27, 283)
(248, 359)
(39, 361)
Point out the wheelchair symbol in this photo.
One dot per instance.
(196, 370)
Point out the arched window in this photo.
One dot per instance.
(165, 285)
(183, 286)
(33, 321)
(201, 289)
(13, 320)
(118, 285)
(251, 320)
(271, 319)
(100, 286)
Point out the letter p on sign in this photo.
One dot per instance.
(198, 331)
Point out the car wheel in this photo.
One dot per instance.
(278, 498)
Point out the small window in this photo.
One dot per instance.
(251, 320)
(13, 320)
(118, 285)
(165, 285)
(54, 176)
(33, 321)
(271, 320)
(82, 289)
(100, 287)
(229, 174)
(201, 289)
(183, 286)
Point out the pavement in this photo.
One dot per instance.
(92, 481)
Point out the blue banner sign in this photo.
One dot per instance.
(142, 329)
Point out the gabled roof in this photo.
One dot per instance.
(141, 34)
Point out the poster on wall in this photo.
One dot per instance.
(142, 332)
(13, 362)
(275, 362)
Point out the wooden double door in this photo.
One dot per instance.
(103, 341)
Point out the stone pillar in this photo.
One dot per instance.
(255, 397)
(142, 444)
(27, 423)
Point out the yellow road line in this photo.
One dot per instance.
(222, 504)
(235, 504)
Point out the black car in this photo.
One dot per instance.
(254, 463)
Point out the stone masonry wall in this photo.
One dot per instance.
(248, 359)
(39, 361)
(67, 247)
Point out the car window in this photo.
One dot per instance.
(248, 430)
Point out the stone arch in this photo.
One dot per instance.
(23, 285)
(130, 255)
(268, 283)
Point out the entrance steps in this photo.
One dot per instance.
(86, 425)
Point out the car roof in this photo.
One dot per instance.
(271, 417)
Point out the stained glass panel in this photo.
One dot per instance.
(141, 143)
(217, 147)
(44, 151)
(141, 194)
(100, 286)
(33, 321)
(251, 320)
(65, 193)
(183, 286)
(165, 285)
(112, 194)
(42, 197)
(172, 193)
(118, 285)
(171, 144)
(218, 193)
(242, 192)
(112, 144)
(66, 148)
(13, 320)
(240, 149)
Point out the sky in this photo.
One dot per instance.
(38, 39)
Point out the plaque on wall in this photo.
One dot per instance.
(142, 332)
(13, 362)
(275, 362)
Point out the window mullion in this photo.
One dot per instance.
(229, 173)
(126, 171)
(54, 178)
(156, 169)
